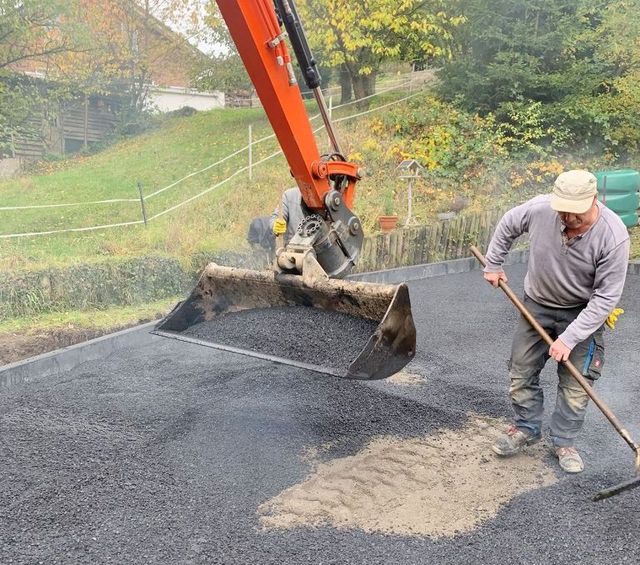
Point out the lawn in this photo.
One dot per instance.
(183, 145)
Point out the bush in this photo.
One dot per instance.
(445, 140)
(608, 121)
(526, 129)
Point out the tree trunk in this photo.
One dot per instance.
(363, 87)
(345, 85)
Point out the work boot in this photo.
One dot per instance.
(569, 459)
(514, 441)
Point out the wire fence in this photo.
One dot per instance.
(409, 83)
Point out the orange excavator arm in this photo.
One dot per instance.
(327, 183)
(328, 240)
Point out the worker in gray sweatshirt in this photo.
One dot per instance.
(286, 218)
(578, 257)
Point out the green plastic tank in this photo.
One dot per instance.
(619, 191)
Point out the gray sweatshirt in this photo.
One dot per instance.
(589, 270)
(291, 210)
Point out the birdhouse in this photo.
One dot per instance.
(409, 169)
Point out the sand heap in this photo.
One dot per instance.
(406, 378)
(438, 485)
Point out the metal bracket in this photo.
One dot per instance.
(334, 242)
(277, 40)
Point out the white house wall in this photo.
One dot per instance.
(167, 100)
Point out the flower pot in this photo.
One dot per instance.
(387, 223)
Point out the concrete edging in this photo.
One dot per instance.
(70, 357)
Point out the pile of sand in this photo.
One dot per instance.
(439, 485)
(406, 378)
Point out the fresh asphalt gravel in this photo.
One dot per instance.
(305, 334)
(163, 453)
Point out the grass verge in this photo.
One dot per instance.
(102, 320)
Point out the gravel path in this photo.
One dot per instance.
(163, 454)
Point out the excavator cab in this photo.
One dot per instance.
(371, 321)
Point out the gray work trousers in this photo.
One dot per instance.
(529, 353)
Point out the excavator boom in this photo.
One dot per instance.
(260, 43)
(327, 242)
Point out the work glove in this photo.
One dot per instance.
(613, 318)
(279, 227)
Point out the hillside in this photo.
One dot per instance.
(465, 168)
(171, 165)
(193, 204)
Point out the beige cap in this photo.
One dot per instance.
(573, 192)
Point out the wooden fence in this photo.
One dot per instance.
(440, 241)
(64, 129)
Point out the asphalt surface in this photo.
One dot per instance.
(162, 454)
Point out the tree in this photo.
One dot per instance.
(608, 116)
(224, 72)
(359, 36)
(32, 29)
(520, 50)
(124, 41)
(78, 48)
(560, 72)
(29, 30)
(618, 37)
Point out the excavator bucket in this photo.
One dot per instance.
(223, 294)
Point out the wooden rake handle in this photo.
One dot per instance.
(568, 364)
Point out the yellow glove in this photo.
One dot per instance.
(279, 227)
(613, 318)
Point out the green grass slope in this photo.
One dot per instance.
(182, 146)
(155, 160)
(177, 158)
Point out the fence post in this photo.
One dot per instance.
(409, 203)
(86, 122)
(250, 152)
(330, 118)
(144, 210)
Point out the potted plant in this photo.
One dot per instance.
(388, 220)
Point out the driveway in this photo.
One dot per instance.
(175, 453)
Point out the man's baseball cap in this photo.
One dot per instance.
(573, 192)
